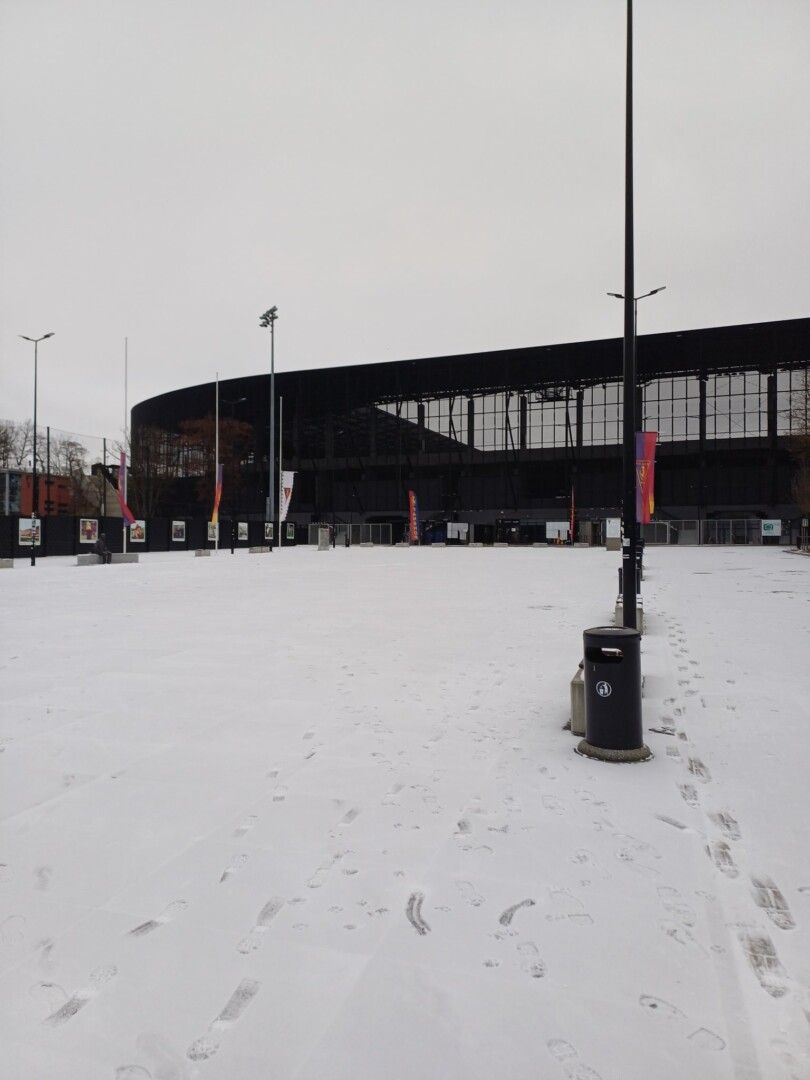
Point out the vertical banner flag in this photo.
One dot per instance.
(645, 475)
(413, 507)
(126, 513)
(217, 496)
(285, 494)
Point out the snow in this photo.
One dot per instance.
(315, 815)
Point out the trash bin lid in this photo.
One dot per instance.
(613, 631)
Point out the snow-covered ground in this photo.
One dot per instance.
(315, 815)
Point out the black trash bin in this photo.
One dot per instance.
(612, 677)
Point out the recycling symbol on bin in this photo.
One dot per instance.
(604, 689)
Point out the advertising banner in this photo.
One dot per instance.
(217, 496)
(413, 513)
(126, 513)
(645, 475)
(285, 494)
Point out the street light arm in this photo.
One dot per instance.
(652, 292)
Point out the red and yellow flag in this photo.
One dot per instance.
(645, 475)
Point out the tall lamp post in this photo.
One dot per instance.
(269, 319)
(34, 484)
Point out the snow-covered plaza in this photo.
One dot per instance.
(316, 816)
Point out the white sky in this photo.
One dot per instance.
(402, 180)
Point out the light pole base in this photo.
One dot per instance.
(643, 753)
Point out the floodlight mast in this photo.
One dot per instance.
(34, 484)
(268, 320)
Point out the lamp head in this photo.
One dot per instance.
(269, 317)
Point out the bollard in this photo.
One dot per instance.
(612, 676)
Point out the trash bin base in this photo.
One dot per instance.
(643, 753)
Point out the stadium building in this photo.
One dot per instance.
(499, 440)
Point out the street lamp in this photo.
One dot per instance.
(269, 319)
(34, 485)
(232, 404)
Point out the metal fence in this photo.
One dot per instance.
(345, 535)
(709, 531)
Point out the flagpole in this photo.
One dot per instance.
(280, 467)
(126, 436)
(216, 462)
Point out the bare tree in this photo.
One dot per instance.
(6, 443)
(151, 461)
(16, 444)
(235, 446)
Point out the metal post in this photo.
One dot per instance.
(271, 473)
(216, 462)
(127, 446)
(630, 531)
(269, 319)
(34, 483)
(34, 478)
(280, 466)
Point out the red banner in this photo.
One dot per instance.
(217, 496)
(413, 507)
(645, 475)
(126, 513)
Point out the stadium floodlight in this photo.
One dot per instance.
(34, 484)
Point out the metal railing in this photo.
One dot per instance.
(378, 534)
(724, 531)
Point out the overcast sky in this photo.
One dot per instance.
(403, 179)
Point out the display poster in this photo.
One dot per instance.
(613, 528)
(213, 530)
(290, 530)
(772, 527)
(88, 530)
(268, 530)
(137, 531)
(30, 532)
(242, 530)
(178, 532)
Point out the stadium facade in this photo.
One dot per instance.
(501, 439)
